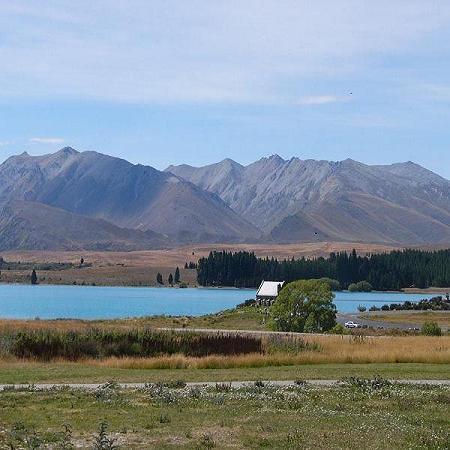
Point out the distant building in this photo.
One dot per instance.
(268, 292)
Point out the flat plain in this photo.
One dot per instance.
(139, 268)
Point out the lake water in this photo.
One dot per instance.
(85, 302)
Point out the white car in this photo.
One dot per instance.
(351, 324)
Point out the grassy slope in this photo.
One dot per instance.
(248, 318)
(340, 417)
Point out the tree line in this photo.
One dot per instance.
(387, 271)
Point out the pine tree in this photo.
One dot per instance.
(159, 278)
(170, 279)
(177, 275)
(33, 277)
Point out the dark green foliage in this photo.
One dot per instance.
(304, 306)
(334, 284)
(22, 437)
(431, 329)
(159, 278)
(362, 308)
(338, 329)
(434, 304)
(33, 277)
(6, 265)
(387, 271)
(366, 385)
(170, 279)
(177, 275)
(94, 343)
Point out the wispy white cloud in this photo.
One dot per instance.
(4, 143)
(46, 140)
(319, 99)
(199, 51)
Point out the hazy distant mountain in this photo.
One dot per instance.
(88, 200)
(127, 195)
(30, 225)
(307, 200)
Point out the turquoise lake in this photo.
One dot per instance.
(85, 302)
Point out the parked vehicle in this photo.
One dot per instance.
(351, 324)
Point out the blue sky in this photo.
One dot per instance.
(162, 82)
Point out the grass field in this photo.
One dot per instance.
(245, 318)
(412, 317)
(357, 414)
(140, 268)
(17, 372)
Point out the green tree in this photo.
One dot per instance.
(431, 329)
(159, 278)
(177, 275)
(304, 305)
(334, 284)
(364, 286)
(33, 277)
(170, 279)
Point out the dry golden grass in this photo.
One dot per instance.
(413, 317)
(180, 255)
(334, 349)
(139, 268)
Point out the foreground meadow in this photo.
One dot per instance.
(354, 414)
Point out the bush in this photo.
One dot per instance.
(334, 284)
(94, 343)
(361, 286)
(338, 329)
(431, 329)
(362, 308)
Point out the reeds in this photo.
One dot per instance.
(328, 349)
(148, 348)
(97, 343)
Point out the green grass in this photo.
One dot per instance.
(28, 372)
(349, 416)
(245, 318)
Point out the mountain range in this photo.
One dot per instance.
(88, 200)
(306, 200)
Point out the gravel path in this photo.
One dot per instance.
(234, 384)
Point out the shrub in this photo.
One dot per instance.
(338, 329)
(431, 329)
(361, 286)
(364, 286)
(102, 441)
(95, 343)
(164, 418)
(334, 284)
(362, 308)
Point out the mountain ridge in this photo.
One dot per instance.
(282, 195)
(270, 200)
(130, 196)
